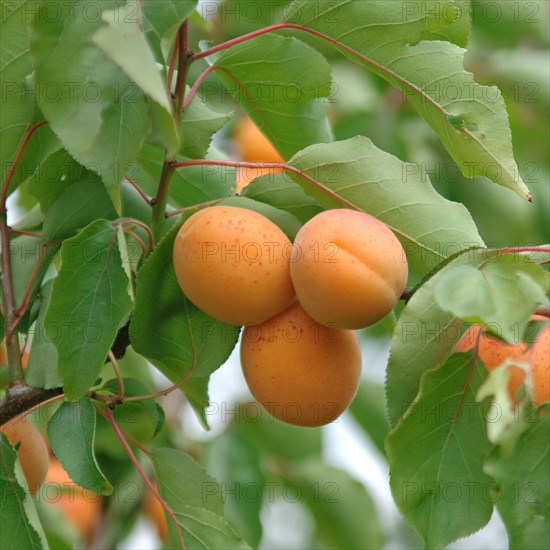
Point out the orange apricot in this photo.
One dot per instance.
(81, 507)
(253, 146)
(153, 510)
(494, 352)
(300, 371)
(32, 452)
(348, 268)
(233, 264)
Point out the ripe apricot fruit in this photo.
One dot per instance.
(153, 509)
(233, 263)
(81, 507)
(494, 352)
(32, 452)
(348, 268)
(253, 146)
(300, 371)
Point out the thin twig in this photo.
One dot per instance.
(143, 475)
(141, 192)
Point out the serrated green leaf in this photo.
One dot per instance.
(71, 432)
(436, 455)
(423, 337)
(524, 503)
(499, 294)
(355, 173)
(88, 304)
(41, 370)
(345, 513)
(124, 42)
(280, 191)
(76, 207)
(197, 501)
(287, 222)
(398, 45)
(57, 172)
(15, 65)
(100, 115)
(198, 125)
(20, 525)
(161, 20)
(280, 82)
(176, 336)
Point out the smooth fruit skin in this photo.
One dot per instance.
(233, 264)
(82, 507)
(348, 268)
(300, 371)
(253, 146)
(494, 352)
(153, 509)
(32, 453)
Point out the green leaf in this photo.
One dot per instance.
(282, 192)
(42, 144)
(399, 45)
(98, 113)
(124, 42)
(498, 295)
(57, 172)
(524, 501)
(76, 207)
(176, 336)
(345, 513)
(197, 501)
(41, 370)
(369, 410)
(89, 303)
(436, 455)
(161, 20)
(424, 336)
(20, 525)
(280, 82)
(15, 65)
(355, 173)
(236, 462)
(71, 432)
(287, 222)
(24, 252)
(198, 126)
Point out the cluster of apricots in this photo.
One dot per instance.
(300, 302)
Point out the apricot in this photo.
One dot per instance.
(154, 511)
(32, 452)
(253, 146)
(81, 507)
(300, 371)
(348, 268)
(494, 352)
(233, 264)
